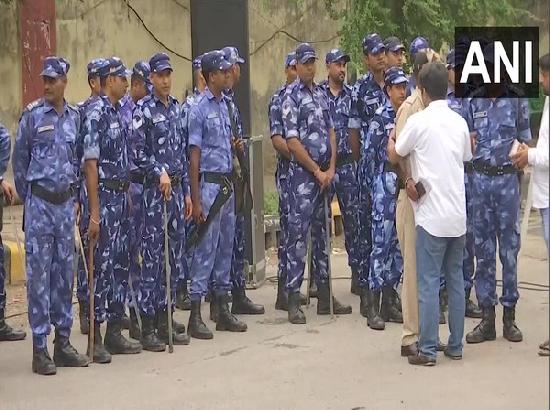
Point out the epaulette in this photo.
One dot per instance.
(36, 103)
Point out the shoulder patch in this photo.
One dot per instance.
(36, 103)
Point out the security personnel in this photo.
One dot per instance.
(310, 136)
(367, 96)
(459, 105)
(338, 95)
(82, 279)
(210, 140)
(386, 262)
(7, 333)
(395, 52)
(105, 148)
(46, 170)
(183, 301)
(140, 86)
(160, 155)
(241, 303)
(497, 117)
(418, 44)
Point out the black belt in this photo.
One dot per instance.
(493, 171)
(56, 198)
(469, 167)
(389, 167)
(344, 159)
(115, 184)
(174, 180)
(137, 179)
(219, 178)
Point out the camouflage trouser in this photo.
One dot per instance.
(364, 240)
(81, 278)
(152, 295)
(346, 188)
(211, 257)
(281, 180)
(2, 278)
(306, 209)
(49, 253)
(496, 212)
(238, 279)
(111, 261)
(136, 236)
(386, 262)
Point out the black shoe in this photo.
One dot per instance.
(313, 291)
(410, 350)
(374, 320)
(135, 332)
(125, 321)
(226, 320)
(83, 317)
(242, 305)
(101, 355)
(7, 333)
(42, 363)
(323, 302)
(281, 303)
(355, 289)
(485, 330)
(295, 314)
(162, 330)
(510, 330)
(213, 308)
(178, 327)
(65, 355)
(196, 326)
(389, 311)
(452, 356)
(149, 338)
(421, 360)
(116, 343)
(472, 310)
(183, 302)
(442, 319)
(440, 346)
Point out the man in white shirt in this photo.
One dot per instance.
(538, 158)
(438, 142)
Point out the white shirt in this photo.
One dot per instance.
(438, 142)
(538, 158)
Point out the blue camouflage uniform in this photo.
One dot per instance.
(367, 96)
(45, 163)
(159, 145)
(5, 150)
(306, 116)
(345, 179)
(210, 131)
(495, 192)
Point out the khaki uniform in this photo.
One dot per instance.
(406, 234)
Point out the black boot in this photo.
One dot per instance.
(42, 363)
(472, 310)
(355, 289)
(374, 321)
(125, 321)
(389, 311)
(242, 305)
(149, 338)
(295, 314)
(196, 326)
(364, 304)
(323, 302)
(485, 330)
(281, 303)
(213, 308)
(510, 330)
(101, 355)
(162, 328)
(442, 307)
(177, 326)
(83, 317)
(313, 291)
(65, 355)
(303, 299)
(135, 332)
(7, 333)
(116, 343)
(226, 320)
(182, 296)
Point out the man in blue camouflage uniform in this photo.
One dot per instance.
(210, 141)
(338, 95)
(386, 262)
(106, 166)
(418, 44)
(310, 136)
(395, 52)
(46, 169)
(460, 105)
(140, 86)
(497, 117)
(82, 219)
(183, 301)
(160, 155)
(7, 333)
(367, 95)
(241, 303)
